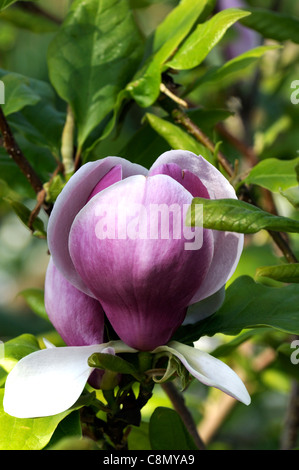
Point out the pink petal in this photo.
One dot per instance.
(185, 177)
(227, 246)
(144, 284)
(78, 318)
(70, 201)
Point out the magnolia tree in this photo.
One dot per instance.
(147, 288)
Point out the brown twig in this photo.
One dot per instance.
(179, 405)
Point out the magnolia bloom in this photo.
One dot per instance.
(111, 255)
(107, 239)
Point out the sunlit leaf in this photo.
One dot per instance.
(204, 39)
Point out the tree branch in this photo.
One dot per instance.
(179, 405)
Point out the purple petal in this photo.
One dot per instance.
(113, 176)
(228, 246)
(70, 201)
(78, 318)
(144, 284)
(185, 177)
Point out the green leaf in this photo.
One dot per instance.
(231, 69)
(233, 215)
(274, 174)
(18, 94)
(169, 34)
(89, 69)
(167, 431)
(249, 305)
(114, 364)
(283, 273)
(24, 215)
(273, 25)
(35, 300)
(17, 348)
(31, 433)
(195, 49)
(6, 3)
(176, 137)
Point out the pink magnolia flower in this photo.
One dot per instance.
(144, 282)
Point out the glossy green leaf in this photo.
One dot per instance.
(167, 431)
(233, 215)
(89, 69)
(35, 300)
(284, 273)
(176, 137)
(273, 25)
(169, 34)
(195, 49)
(249, 305)
(113, 364)
(274, 174)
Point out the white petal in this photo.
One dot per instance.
(47, 382)
(208, 370)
